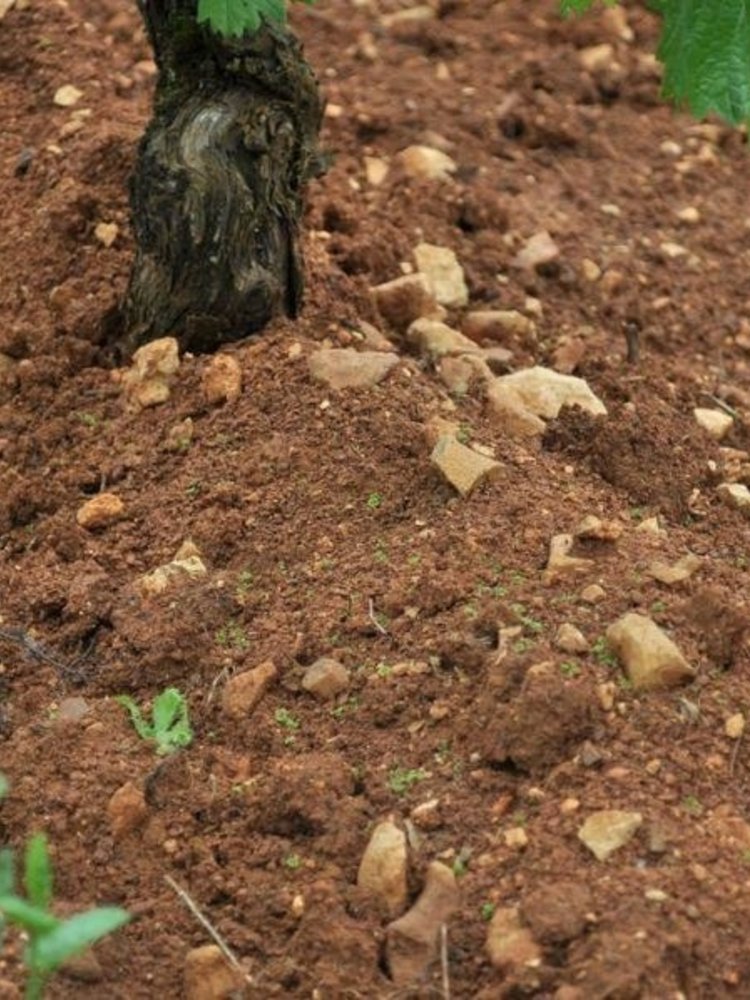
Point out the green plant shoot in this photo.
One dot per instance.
(170, 728)
(50, 940)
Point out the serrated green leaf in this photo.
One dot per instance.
(705, 49)
(38, 872)
(74, 935)
(31, 918)
(171, 726)
(144, 730)
(239, 17)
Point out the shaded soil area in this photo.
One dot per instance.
(326, 531)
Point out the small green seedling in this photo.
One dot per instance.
(292, 861)
(286, 720)
(50, 940)
(487, 911)
(603, 652)
(569, 668)
(374, 500)
(401, 779)
(170, 729)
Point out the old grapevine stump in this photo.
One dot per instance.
(217, 192)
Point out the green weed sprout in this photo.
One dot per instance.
(170, 729)
(51, 941)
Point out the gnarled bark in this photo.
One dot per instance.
(217, 192)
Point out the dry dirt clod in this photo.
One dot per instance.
(445, 274)
(148, 382)
(384, 866)
(511, 945)
(208, 975)
(426, 162)
(413, 941)
(326, 678)
(127, 810)
(606, 831)
(462, 467)
(244, 691)
(222, 380)
(346, 368)
(405, 299)
(716, 422)
(100, 512)
(179, 435)
(650, 658)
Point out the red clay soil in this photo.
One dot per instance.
(327, 532)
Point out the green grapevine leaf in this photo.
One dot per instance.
(705, 49)
(38, 872)
(239, 17)
(51, 949)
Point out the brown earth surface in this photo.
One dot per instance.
(326, 531)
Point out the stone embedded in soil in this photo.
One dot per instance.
(446, 276)
(209, 976)
(462, 467)
(650, 658)
(100, 512)
(106, 233)
(592, 527)
(596, 58)
(607, 831)
(538, 250)
(127, 810)
(436, 339)
(346, 368)
(717, 423)
(383, 869)
(221, 381)
(736, 495)
(376, 170)
(404, 300)
(148, 381)
(510, 945)
(458, 373)
(66, 96)
(734, 727)
(678, 572)
(594, 593)
(497, 324)
(187, 565)
(571, 640)
(179, 435)
(413, 941)
(544, 392)
(326, 678)
(84, 968)
(437, 427)
(426, 163)
(73, 709)
(244, 691)
(560, 563)
(510, 413)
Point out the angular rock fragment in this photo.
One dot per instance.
(384, 865)
(413, 941)
(678, 572)
(446, 276)
(244, 691)
(650, 658)
(511, 945)
(437, 339)
(405, 299)
(426, 162)
(101, 511)
(187, 565)
(606, 831)
(462, 467)
(222, 380)
(148, 382)
(345, 368)
(326, 678)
